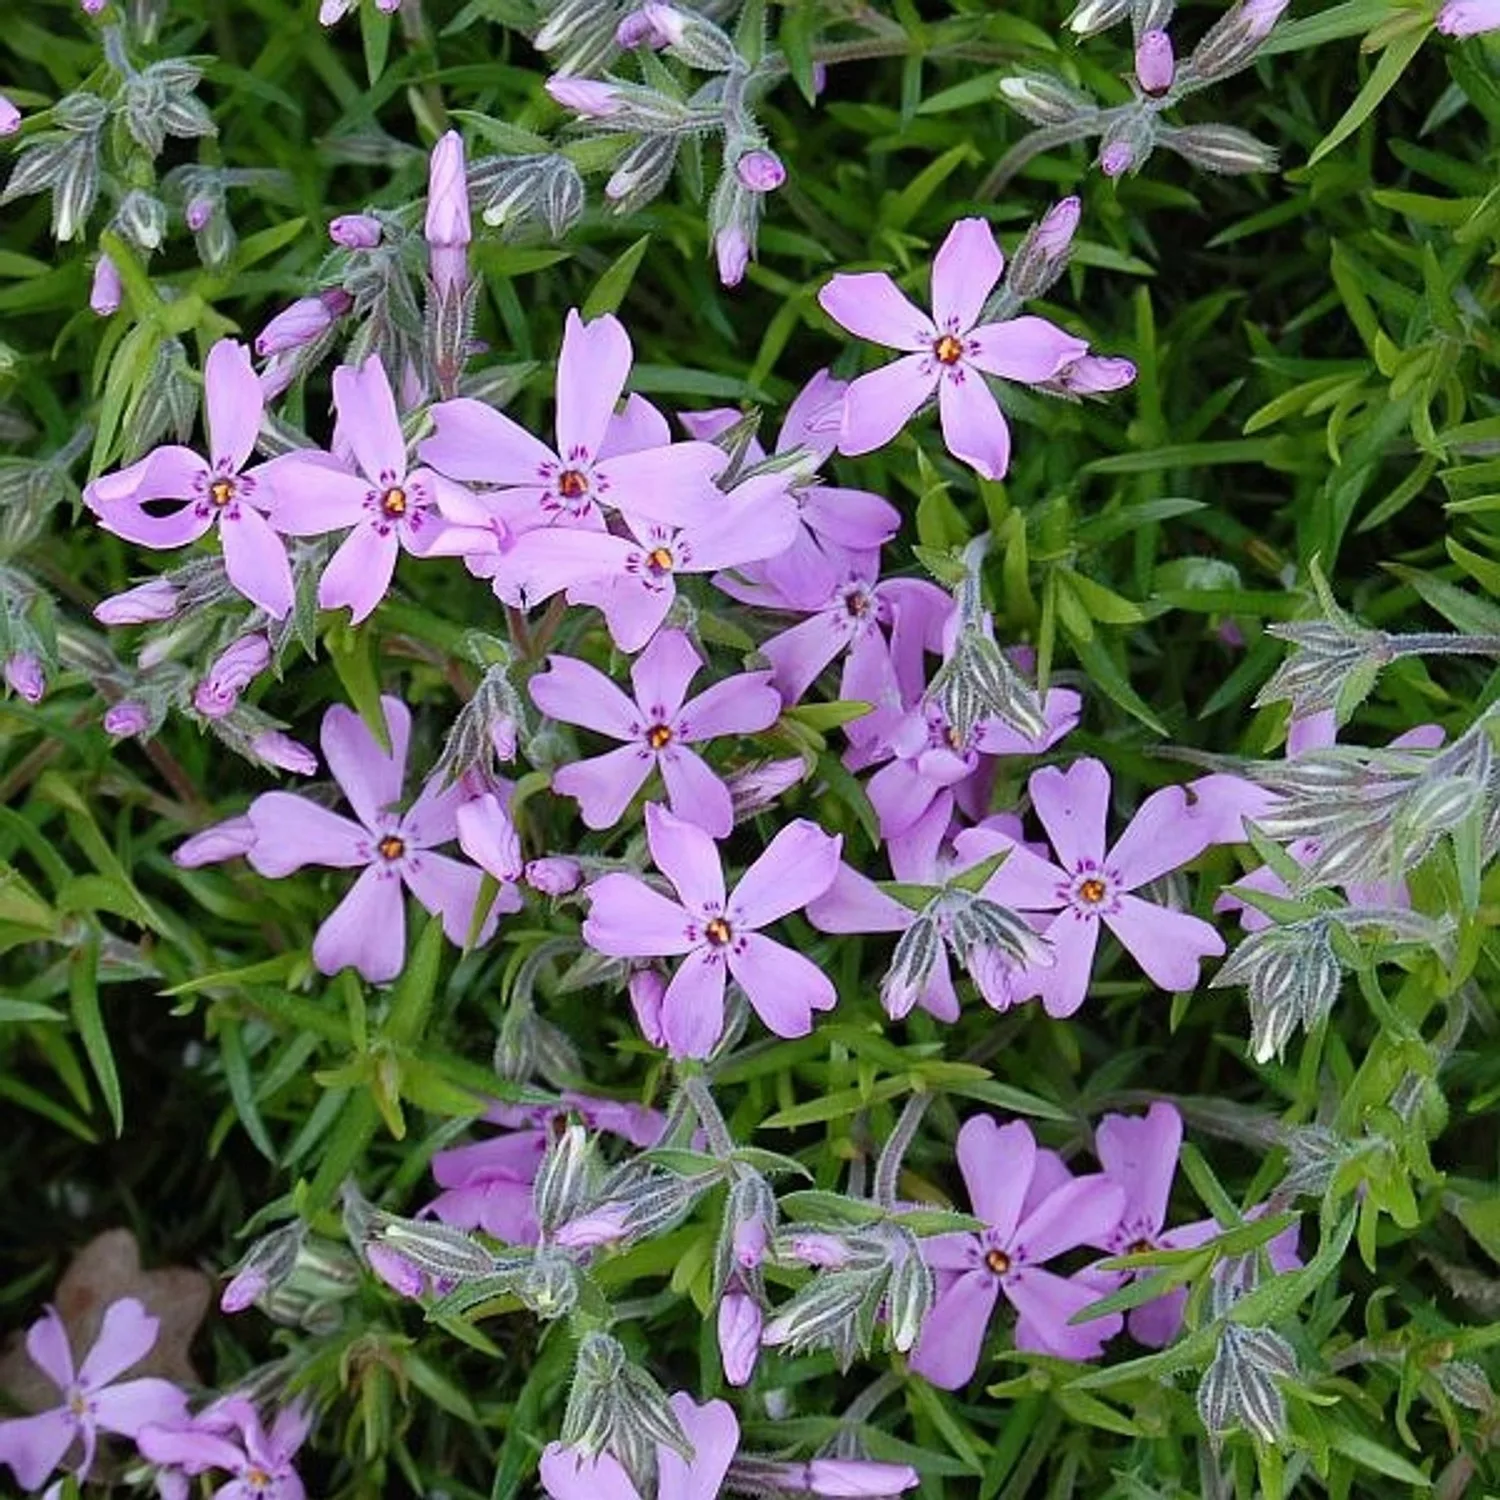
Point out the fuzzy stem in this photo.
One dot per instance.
(695, 1087)
(888, 1168)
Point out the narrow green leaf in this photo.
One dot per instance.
(83, 993)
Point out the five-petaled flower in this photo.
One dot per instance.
(230, 1436)
(719, 935)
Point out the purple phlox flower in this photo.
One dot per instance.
(931, 755)
(852, 520)
(447, 229)
(94, 1400)
(392, 849)
(1034, 1211)
(1139, 1152)
(144, 604)
(1463, 18)
(884, 629)
(574, 485)
(718, 935)
(227, 840)
(487, 834)
(27, 678)
(306, 319)
(638, 28)
(232, 671)
(105, 289)
(214, 491)
(554, 875)
(10, 117)
(230, 1436)
(713, 1431)
(949, 355)
(1317, 731)
(1155, 66)
(388, 505)
(632, 578)
(1090, 884)
(487, 1184)
(356, 231)
(657, 729)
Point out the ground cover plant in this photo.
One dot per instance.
(749, 749)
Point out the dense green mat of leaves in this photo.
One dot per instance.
(1311, 446)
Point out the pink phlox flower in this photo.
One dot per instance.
(1090, 884)
(230, 1436)
(713, 1431)
(217, 491)
(386, 507)
(949, 354)
(852, 520)
(1140, 1153)
(575, 484)
(657, 728)
(1034, 1210)
(487, 1184)
(394, 850)
(719, 935)
(632, 577)
(94, 1399)
(930, 755)
(1317, 731)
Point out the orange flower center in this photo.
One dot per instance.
(571, 483)
(718, 932)
(949, 349)
(1140, 1247)
(659, 736)
(1093, 891)
(393, 502)
(391, 847)
(221, 491)
(998, 1261)
(660, 559)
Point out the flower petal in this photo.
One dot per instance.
(232, 403)
(1073, 805)
(974, 427)
(673, 485)
(369, 776)
(854, 903)
(567, 1474)
(964, 273)
(34, 1446)
(662, 672)
(255, 560)
(488, 836)
(855, 519)
(953, 1335)
(591, 372)
(627, 919)
(692, 1010)
(714, 1432)
(360, 572)
(784, 987)
(1082, 1211)
(573, 692)
(1065, 986)
(798, 655)
(758, 519)
(812, 420)
(878, 405)
(1140, 1153)
(125, 1338)
(603, 785)
(798, 865)
(129, 1407)
(544, 561)
(47, 1344)
(1168, 945)
(1161, 836)
(473, 441)
(695, 792)
(637, 426)
(743, 704)
(688, 858)
(312, 493)
(366, 931)
(368, 420)
(1029, 350)
(1046, 1302)
(450, 889)
(290, 832)
(997, 1162)
(871, 306)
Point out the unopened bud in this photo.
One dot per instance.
(1042, 256)
(1232, 42)
(759, 786)
(25, 677)
(447, 229)
(305, 320)
(10, 117)
(1220, 148)
(760, 171)
(355, 231)
(693, 38)
(267, 1264)
(1093, 16)
(554, 875)
(273, 748)
(740, 1323)
(1094, 375)
(641, 173)
(640, 29)
(1155, 65)
(105, 291)
(123, 720)
(143, 219)
(198, 212)
(395, 1270)
(585, 96)
(231, 673)
(1043, 100)
(488, 836)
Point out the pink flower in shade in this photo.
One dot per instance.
(1090, 884)
(229, 1436)
(92, 1400)
(718, 935)
(1245, 799)
(474, 443)
(487, 1184)
(657, 729)
(1034, 1210)
(834, 518)
(393, 849)
(554, 875)
(214, 491)
(388, 505)
(949, 355)
(633, 578)
(1463, 18)
(1139, 1152)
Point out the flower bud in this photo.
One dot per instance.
(1232, 42)
(123, 720)
(639, 29)
(142, 605)
(1043, 100)
(355, 231)
(760, 171)
(554, 875)
(740, 1322)
(105, 291)
(1094, 375)
(817, 1249)
(1092, 16)
(395, 1270)
(447, 230)
(1155, 66)
(488, 836)
(1220, 148)
(758, 787)
(226, 840)
(25, 677)
(1115, 158)
(199, 211)
(641, 173)
(732, 252)
(602, 1226)
(693, 38)
(268, 1263)
(273, 748)
(1042, 256)
(856, 1478)
(10, 117)
(143, 219)
(647, 988)
(306, 319)
(585, 96)
(231, 673)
